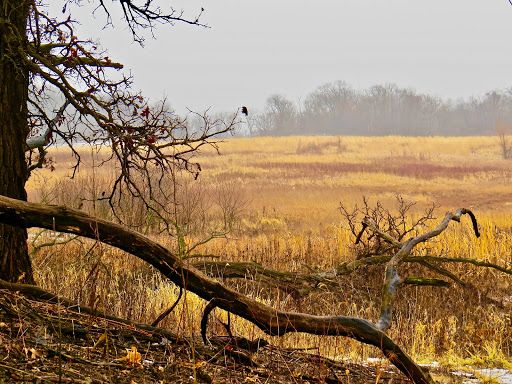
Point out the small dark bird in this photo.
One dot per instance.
(244, 111)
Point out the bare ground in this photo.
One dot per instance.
(43, 342)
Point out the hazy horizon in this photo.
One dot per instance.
(252, 50)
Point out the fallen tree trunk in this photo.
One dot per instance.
(268, 319)
(300, 284)
(392, 280)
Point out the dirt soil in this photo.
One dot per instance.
(43, 342)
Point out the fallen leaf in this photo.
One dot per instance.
(34, 353)
(132, 356)
(101, 340)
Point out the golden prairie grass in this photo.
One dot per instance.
(446, 171)
(293, 187)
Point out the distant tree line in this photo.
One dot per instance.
(338, 109)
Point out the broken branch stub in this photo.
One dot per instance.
(268, 319)
(392, 279)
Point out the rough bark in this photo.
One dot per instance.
(298, 284)
(14, 260)
(392, 280)
(270, 320)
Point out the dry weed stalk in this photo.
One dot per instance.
(270, 320)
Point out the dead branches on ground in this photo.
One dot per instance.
(270, 320)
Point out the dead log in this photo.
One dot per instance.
(270, 320)
(299, 284)
(392, 279)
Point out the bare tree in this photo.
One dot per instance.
(280, 116)
(504, 132)
(336, 108)
(398, 225)
(331, 107)
(56, 86)
(231, 202)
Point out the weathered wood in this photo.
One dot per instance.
(270, 320)
(165, 313)
(300, 284)
(432, 282)
(392, 279)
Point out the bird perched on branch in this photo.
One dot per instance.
(244, 111)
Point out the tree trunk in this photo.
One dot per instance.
(15, 265)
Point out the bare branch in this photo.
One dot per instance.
(270, 320)
(148, 142)
(392, 279)
(368, 223)
(147, 15)
(388, 229)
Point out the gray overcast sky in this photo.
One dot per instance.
(447, 48)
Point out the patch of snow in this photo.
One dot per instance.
(377, 360)
(465, 374)
(504, 376)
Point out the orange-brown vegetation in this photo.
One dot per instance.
(282, 196)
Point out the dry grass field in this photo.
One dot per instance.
(280, 197)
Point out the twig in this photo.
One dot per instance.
(167, 311)
(392, 279)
